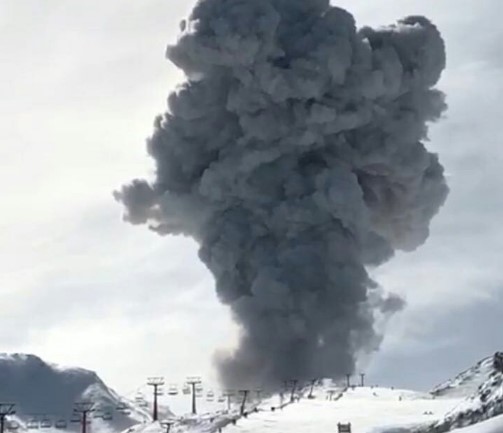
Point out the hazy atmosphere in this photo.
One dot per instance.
(81, 84)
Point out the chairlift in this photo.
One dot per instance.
(107, 416)
(60, 424)
(210, 396)
(75, 418)
(139, 396)
(186, 390)
(221, 399)
(123, 408)
(32, 424)
(45, 423)
(126, 411)
(140, 400)
(173, 390)
(199, 387)
(13, 425)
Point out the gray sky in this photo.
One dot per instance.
(80, 83)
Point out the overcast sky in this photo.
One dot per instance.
(80, 84)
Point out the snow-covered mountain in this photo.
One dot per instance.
(43, 391)
(481, 390)
(469, 403)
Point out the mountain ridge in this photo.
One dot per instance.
(43, 390)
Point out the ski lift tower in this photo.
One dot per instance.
(312, 385)
(294, 383)
(6, 409)
(348, 380)
(156, 383)
(194, 382)
(227, 395)
(167, 424)
(244, 393)
(82, 411)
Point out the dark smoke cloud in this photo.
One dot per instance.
(294, 155)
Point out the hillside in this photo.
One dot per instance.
(469, 403)
(368, 409)
(481, 388)
(47, 391)
(473, 397)
(493, 425)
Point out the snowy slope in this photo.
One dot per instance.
(476, 394)
(367, 409)
(482, 387)
(493, 425)
(42, 390)
(468, 382)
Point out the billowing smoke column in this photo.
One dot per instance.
(294, 156)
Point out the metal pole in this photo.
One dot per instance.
(154, 415)
(194, 409)
(348, 379)
(362, 375)
(83, 409)
(294, 387)
(192, 382)
(84, 422)
(228, 395)
(155, 382)
(243, 403)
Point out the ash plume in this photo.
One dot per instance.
(294, 155)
